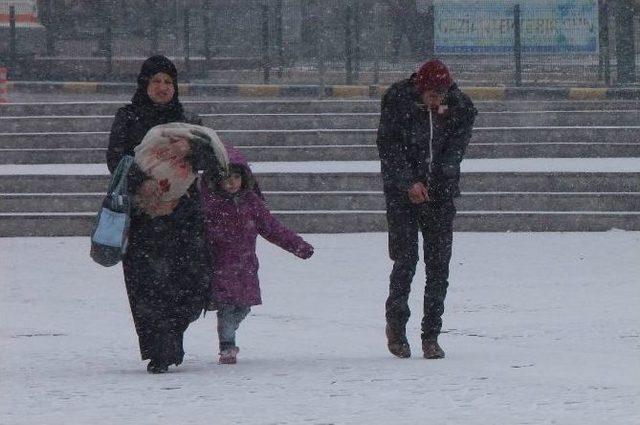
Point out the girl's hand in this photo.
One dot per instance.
(305, 251)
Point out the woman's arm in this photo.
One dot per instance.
(119, 138)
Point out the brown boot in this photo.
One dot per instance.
(431, 349)
(397, 342)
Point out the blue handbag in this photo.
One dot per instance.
(111, 227)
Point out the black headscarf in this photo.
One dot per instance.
(151, 112)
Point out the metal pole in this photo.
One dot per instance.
(431, 32)
(207, 30)
(155, 33)
(625, 43)
(265, 43)
(49, 30)
(605, 58)
(321, 53)
(357, 52)
(377, 54)
(12, 38)
(279, 38)
(600, 39)
(376, 70)
(187, 43)
(348, 51)
(108, 39)
(517, 45)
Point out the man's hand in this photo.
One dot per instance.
(418, 193)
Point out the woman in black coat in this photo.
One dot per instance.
(166, 264)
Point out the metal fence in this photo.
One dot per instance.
(498, 42)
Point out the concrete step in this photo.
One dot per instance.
(481, 135)
(202, 106)
(358, 181)
(79, 224)
(342, 152)
(275, 106)
(371, 120)
(48, 123)
(533, 72)
(349, 200)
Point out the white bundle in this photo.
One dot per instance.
(174, 175)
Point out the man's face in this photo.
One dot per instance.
(160, 88)
(433, 99)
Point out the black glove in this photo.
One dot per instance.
(202, 156)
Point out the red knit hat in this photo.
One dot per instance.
(433, 75)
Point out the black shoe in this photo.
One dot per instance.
(431, 349)
(154, 367)
(397, 343)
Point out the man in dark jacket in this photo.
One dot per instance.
(425, 126)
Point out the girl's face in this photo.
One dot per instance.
(160, 88)
(233, 183)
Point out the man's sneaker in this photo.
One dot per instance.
(397, 343)
(228, 356)
(431, 349)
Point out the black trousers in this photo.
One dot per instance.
(434, 219)
(160, 321)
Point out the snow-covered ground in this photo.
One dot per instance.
(541, 328)
(504, 165)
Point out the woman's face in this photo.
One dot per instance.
(160, 88)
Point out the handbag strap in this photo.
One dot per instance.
(118, 183)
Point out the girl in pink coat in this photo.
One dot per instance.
(234, 216)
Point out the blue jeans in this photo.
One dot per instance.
(229, 318)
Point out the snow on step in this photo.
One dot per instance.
(507, 165)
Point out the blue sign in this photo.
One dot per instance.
(475, 27)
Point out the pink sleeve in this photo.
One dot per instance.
(276, 233)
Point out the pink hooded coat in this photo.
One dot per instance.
(232, 224)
